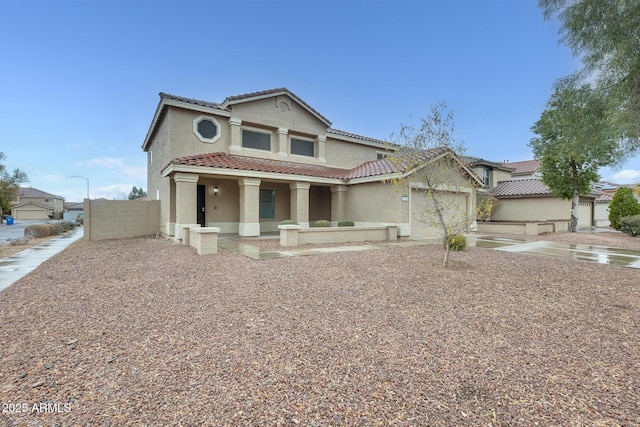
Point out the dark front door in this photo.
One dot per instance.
(200, 209)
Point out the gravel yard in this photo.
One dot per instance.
(146, 332)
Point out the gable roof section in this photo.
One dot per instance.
(34, 192)
(478, 161)
(247, 97)
(523, 168)
(520, 188)
(228, 161)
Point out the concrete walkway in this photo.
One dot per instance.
(596, 254)
(18, 265)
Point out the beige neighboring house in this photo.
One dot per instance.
(253, 160)
(490, 173)
(72, 210)
(34, 204)
(527, 169)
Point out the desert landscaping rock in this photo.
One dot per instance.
(388, 337)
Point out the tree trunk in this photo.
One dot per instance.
(575, 199)
(445, 230)
(575, 202)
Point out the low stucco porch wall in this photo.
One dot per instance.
(295, 235)
(525, 228)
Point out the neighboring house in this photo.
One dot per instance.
(601, 210)
(528, 169)
(256, 159)
(71, 210)
(530, 200)
(34, 204)
(490, 173)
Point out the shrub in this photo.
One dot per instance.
(623, 204)
(457, 242)
(485, 207)
(630, 225)
(288, 222)
(346, 223)
(62, 227)
(18, 242)
(322, 223)
(39, 230)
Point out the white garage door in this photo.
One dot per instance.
(585, 213)
(26, 214)
(424, 220)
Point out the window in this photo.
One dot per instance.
(206, 129)
(485, 177)
(47, 200)
(381, 155)
(257, 140)
(302, 147)
(267, 204)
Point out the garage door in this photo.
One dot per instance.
(585, 213)
(424, 220)
(30, 214)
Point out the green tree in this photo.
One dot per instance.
(425, 159)
(574, 142)
(605, 34)
(136, 193)
(623, 204)
(9, 183)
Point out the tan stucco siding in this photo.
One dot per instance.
(532, 209)
(279, 112)
(320, 203)
(225, 207)
(376, 202)
(186, 143)
(344, 154)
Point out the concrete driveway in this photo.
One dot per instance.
(16, 231)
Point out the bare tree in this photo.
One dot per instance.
(426, 161)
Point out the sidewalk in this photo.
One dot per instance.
(16, 266)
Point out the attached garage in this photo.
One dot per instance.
(31, 211)
(424, 220)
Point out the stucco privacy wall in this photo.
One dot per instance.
(113, 219)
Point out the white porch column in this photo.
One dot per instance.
(283, 147)
(236, 135)
(321, 144)
(300, 202)
(338, 203)
(186, 200)
(249, 207)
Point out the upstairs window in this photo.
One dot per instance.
(256, 140)
(206, 129)
(302, 147)
(485, 177)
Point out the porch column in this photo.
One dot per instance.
(321, 144)
(300, 202)
(236, 135)
(249, 207)
(283, 149)
(186, 200)
(338, 203)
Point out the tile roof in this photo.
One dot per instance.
(521, 187)
(189, 100)
(604, 197)
(227, 161)
(523, 168)
(34, 192)
(355, 136)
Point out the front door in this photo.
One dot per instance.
(201, 205)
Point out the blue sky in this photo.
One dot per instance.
(80, 79)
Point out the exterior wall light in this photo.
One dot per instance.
(214, 190)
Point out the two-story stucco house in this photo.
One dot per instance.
(34, 204)
(253, 160)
